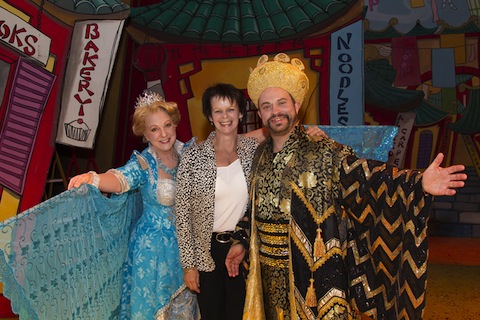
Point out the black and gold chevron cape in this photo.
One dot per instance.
(334, 236)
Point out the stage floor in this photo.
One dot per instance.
(453, 290)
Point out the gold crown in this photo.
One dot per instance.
(148, 97)
(281, 73)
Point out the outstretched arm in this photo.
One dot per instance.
(440, 181)
(105, 182)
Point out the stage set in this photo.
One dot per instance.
(399, 83)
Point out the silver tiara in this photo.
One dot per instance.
(147, 98)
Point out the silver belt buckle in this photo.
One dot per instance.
(219, 236)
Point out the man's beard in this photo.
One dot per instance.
(280, 128)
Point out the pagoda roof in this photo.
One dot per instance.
(237, 21)
(91, 6)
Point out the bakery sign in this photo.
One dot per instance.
(18, 34)
(91, 57)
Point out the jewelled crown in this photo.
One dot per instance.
(147, 98)
(282, 72)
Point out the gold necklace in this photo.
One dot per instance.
(228, 155)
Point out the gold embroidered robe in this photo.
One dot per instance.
(334, 236)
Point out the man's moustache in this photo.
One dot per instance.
(278, 116)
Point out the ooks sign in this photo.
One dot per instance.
(18, 34)
(92, 54)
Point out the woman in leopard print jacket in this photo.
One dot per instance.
(212, 195)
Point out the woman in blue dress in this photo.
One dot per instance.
(153, 286)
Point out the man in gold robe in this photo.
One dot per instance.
(332, 236)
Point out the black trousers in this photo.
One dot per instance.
(221, 297)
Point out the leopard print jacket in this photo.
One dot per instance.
(195, 199)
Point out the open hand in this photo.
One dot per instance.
(440, 181)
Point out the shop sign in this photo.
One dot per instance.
(18, 34)
(404, 122)
(91, 58)
(346, 76)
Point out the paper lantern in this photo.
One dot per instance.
(149, 58)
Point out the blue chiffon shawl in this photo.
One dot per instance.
(63, 258)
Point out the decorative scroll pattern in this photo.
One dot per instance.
(63, 258)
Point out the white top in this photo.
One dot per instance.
(231, 197)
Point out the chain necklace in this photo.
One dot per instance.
(228, 155)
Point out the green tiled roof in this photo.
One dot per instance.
(469, 123)
(91, 6)
(428, 114)
(235, 21)
(379, 92)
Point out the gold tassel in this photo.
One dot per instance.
(311, 298)
(319, 247)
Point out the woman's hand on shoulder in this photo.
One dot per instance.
(315, 132)
(260, 134)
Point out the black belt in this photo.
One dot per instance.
(223, 237)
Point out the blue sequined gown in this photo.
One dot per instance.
(82, 255)
(153, 286)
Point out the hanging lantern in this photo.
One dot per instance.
(149, 58)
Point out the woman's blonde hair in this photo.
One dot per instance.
(144, 110)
